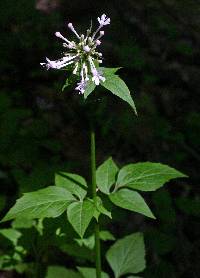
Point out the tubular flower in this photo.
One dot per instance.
(82, 55)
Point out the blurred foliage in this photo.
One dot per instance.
(44, 130)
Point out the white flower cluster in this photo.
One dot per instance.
(82, 55)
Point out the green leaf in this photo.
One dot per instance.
(119, 88)
(106, 235)
(100, 209)
(87, 242)
(91, 272)
(109, 71)
(146, 176)
(89, 89)
(106, 175)
(73, 183)
(23, 223)
(60, 271)
(80, 214)
(48, 202)
(127, 255)
(131, 200)
(90, 241)
(11, 234)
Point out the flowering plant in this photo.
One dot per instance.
(109, 183)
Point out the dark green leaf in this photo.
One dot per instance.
(80, 214)
(119, 88)
(60, 271)
(131, 200)
(73, 183)
(127, 255)
(91, 272)
(48, 202)
(106, 175)
(146, 176)
(89, 89)
(100, 209)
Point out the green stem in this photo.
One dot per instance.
(94, 194)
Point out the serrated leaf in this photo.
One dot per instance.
(60, 271)
(89, 88)
(127, 255)
(131, 200)
(73, 183)
(91, 272)
(106, 175)
(100, 209)
(80, 214)
(146, 176)
(48, 202)
(119, 88)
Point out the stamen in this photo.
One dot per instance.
(71, 27)
(58, 34)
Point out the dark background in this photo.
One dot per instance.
(43, 130)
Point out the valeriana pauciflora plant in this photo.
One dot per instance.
(71, 192)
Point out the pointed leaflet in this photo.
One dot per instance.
(89, 89)
(146, 176)
(80, 214)
(48, 202)
(91, 272)
(131, 200)
(127, 255)
(118, 87)
(106, 175)
(73, 183)
(100, 209)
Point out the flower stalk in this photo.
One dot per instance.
(94, 194)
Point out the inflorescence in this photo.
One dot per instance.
(82, 55)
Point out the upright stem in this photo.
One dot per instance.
(94, 194)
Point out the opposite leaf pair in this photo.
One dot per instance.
(70, 193)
